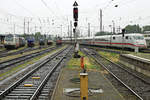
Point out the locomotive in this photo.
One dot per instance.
(58, 41)
(30, 41)
(49, 42)
(41, 42)
(13, 41)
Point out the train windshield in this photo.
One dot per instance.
(9, 38)
(138, 37)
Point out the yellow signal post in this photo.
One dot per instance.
(84, 86)
(35, 77)
(28, 85)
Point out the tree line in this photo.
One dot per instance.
(37, 36)
(129, 29)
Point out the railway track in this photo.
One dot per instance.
(24, 58)
(135, 84)
(18, 52)
(42, 86)
(3, 51)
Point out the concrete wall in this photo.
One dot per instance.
(135, 65)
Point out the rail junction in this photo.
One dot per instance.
(22, 89)
(56, 76)
(40, 62)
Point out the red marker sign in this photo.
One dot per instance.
(82, 62)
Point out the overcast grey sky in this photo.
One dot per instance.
(59, 12)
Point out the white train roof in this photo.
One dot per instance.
(106, 36)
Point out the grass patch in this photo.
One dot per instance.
(75, 62)
(19, 55)
(14, 70)
(143, 55)
(18, 68)
(81, 54)
(2, 49)
(112, 56)
(15, 50)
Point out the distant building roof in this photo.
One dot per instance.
(2, 35)
(146, 32)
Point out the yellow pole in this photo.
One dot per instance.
(84, 86)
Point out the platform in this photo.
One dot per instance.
(136, 63)
(96, 80)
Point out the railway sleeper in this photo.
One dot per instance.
(16, 98)
(43, 98)
(25, 88)
(22, 92)
(13, 94)
(26, 94)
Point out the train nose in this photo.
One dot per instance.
(141, 44)
(145, 45)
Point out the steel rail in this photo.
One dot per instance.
(115, 76)
(17, 83)
(22, 58)
(36, 93)
(17, 52)
(122, 68)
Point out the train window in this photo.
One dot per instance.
(138, 37)
(9, 38)
(113, 38)
(127, 37)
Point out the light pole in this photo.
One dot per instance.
(111, 33)
(61, 30)
(14, 28)
(123, 32)
(75, 17)
(101, 24)
(24, 27)
(113, 26)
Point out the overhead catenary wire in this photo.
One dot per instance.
(125, 2)
(52, 12)
(16, 17)
(31, 14)
(19, 4)
(110, 2)
(121, 4)
(49, 9)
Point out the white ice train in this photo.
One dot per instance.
(147, 38)
(132, 41)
